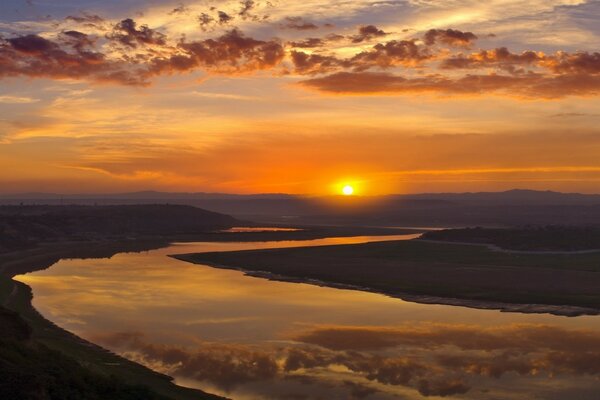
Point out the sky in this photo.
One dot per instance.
(389, 96)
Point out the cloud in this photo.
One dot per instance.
(231, 52)
(314, 63)
(316, 42)
(90, 20)
(308, 43)
(17, 100)
(392, 53)
(205, 20)
(450, 37)
(134, 53)
(224, 18)
(127, 33)
(298, 23)
(500, 57)
(522, 86)
(247, 7)
(366, 33)
(34, 56)
(576, 63)
(180, 9)
(75, 56)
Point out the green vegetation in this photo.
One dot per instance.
(432, 269)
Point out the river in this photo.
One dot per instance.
(250, 338)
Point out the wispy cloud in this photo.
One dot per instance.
(17, 100)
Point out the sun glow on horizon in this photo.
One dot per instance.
(348, 190)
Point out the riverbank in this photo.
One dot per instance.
(45, 335)
(48, 337)
(433, 273)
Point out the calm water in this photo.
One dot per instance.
(250, 338)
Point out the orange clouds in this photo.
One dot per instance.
(132, 54)
(230, 53)
(449, 36)
(35, 56)
(525, 86)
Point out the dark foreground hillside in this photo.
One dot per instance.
(30, 370)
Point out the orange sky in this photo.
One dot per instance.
(391, 97)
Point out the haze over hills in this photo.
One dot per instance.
(513, 207)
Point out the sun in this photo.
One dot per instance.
(348, 190)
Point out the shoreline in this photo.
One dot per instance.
(557, 310)
(19, 296)
(90, 355)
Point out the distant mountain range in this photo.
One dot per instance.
(513, 207)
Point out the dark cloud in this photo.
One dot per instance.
(298, 23)
(34, 56)
(577, 63)
(392, 53)
(32, 45)
(247, 7)
(314, 63)
(224, 18)
(524, 86)
(308, 43)
(231, 52)
(500, 57)
(450, 37)
(316, 42)
(127, 33)
(133, 54)
(74, 56)
(78, 40)
(86, 19)
(386, 55)
(366, 33)
(180, 9)
(359, 391)
(205, 20)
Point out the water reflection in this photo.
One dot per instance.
(251, 338)
(239, 229)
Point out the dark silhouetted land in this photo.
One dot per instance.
(434, 272)
(539, 239)
(509, 208)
